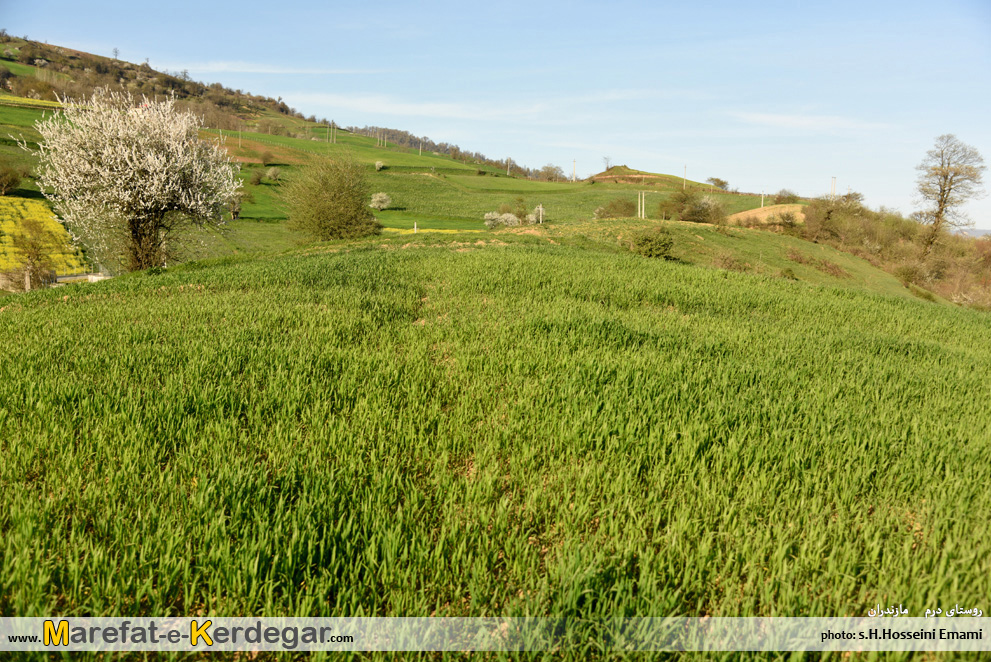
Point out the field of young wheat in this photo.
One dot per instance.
(479, 428)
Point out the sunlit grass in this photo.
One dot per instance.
(499, 428)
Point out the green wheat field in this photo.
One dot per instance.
(453, 426)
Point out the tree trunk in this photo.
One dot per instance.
(930, 241)
(145, 248)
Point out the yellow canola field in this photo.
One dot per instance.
(13, 211)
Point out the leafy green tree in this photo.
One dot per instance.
(328, 200)
(718, 183)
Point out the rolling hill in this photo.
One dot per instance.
(534, 421)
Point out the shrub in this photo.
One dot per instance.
(704, 210)
(266, 157)
(256, 177)
(654, 243)
(494, 219)
(379, 165)
(785, 197)
(10, 179)
(520, 211)
(675, 205)
(617, 208)
(727, 260)
(328, 201)
(380, 201)
(273, 174)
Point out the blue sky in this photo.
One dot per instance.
(765, 95)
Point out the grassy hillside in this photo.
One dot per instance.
(478, 424)
(436, 193)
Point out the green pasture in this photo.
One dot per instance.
(512, 428)
(738, 249)
(18, 68)
(363, 149)
(405, 221)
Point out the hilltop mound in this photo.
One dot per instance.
(622, 174)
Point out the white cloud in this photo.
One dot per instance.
(570, 109)
(808, 122)
(387, 105)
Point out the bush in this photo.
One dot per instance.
(618, 208)
(705, 210)
(380, 201)
(273, 174)
(785, 197)
(727, 260)
(654, 243)
(379, 165)
(494, 219)
(9, 180)
(266, 157)
(328, 201)
(256, 177)
(675, 205)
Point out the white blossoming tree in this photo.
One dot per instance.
(125, 177)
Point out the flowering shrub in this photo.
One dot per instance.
(380, 201)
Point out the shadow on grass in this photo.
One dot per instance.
(26, 193)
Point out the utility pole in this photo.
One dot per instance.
(508, 163)
(762, 199)
(832, 190)
(574, 170)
